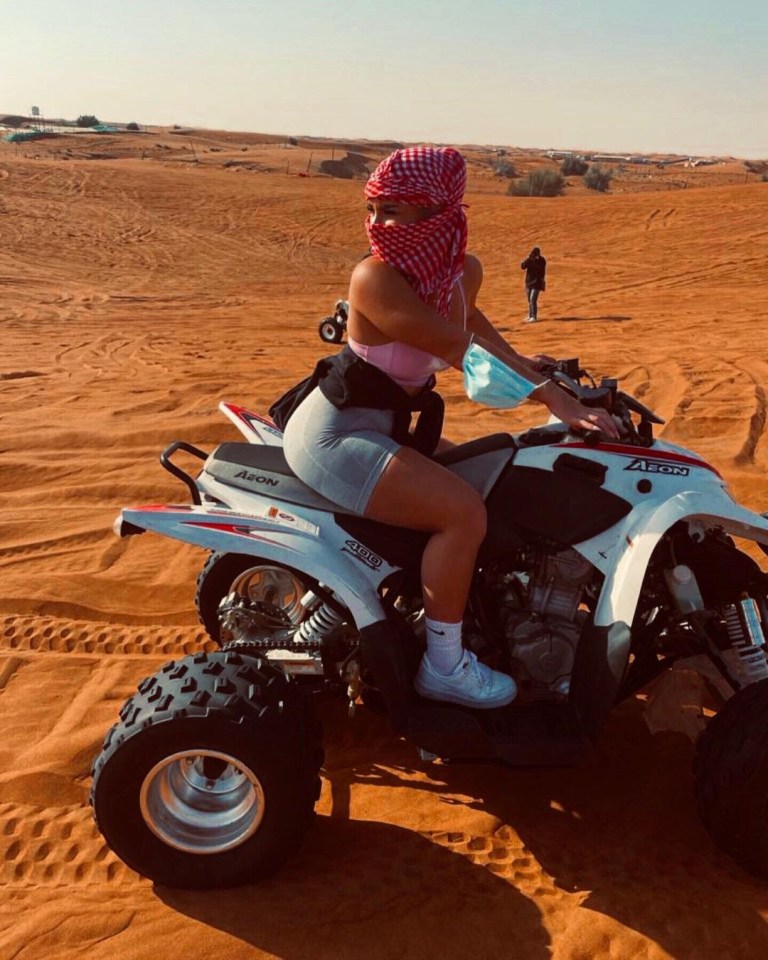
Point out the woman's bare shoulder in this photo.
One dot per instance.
(371, 268)
(473, 274)
(377, 281)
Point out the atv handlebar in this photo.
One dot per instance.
(569, 374)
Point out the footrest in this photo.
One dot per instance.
(537, 734)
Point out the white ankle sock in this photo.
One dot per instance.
(444, 649)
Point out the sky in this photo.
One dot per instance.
(677, 76)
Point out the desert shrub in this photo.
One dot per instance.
(573, 167)
(538, 183)
(86, 120)
(598, 178)
(764, 178)
(293, 141)
(132, 125)
(506, 169)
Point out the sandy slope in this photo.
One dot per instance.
(137, 294)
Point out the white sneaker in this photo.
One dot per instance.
(531, 320)
(471, 684)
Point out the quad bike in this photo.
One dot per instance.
(606, 565)
(332, 329)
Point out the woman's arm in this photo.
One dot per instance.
(561, 404)
(387, 300)
(389, 303)
(481, 326)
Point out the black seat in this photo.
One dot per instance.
(263, 469)
(269, 459)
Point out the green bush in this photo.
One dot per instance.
(132, 125)
(506, 169)
(538, 183)
(573, 167)
(598, 178)
(86, 120)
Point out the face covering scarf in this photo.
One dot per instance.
(430, 252)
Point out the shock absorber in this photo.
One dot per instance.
(319, 624)
(745, 632)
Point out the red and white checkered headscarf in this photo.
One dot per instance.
(430, 252)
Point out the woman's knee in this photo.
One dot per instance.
(470, 517)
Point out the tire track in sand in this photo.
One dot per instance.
(21, 633)
(62, 683)
(55, 846)
(757, 372)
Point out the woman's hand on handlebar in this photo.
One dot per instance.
(574, 414)
(541, 362)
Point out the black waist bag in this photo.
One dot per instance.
(346, 380)
(283, 407)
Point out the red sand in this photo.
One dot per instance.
(137, 294)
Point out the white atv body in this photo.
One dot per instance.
(606, 566)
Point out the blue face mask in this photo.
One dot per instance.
(491, 382)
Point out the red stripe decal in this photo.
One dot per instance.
(237, 529)
(644, 453)
(247, 416)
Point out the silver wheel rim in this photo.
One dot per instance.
(199, 811)
(274, 586)
(329, 331)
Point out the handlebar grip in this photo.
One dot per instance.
(593, 437)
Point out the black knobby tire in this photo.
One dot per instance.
(213, 583)
(731, 769)
(330, 330)
(224, 719)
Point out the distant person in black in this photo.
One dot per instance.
(535, 267)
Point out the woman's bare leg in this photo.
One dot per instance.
(444, 444)
(417, 493)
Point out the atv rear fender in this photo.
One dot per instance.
(287, 539)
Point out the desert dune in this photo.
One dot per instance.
(145, 279)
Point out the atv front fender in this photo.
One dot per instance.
(624, 552)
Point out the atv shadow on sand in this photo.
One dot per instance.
(614, 828)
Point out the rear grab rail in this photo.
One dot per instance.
(165, 460)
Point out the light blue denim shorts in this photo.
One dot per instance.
(340, 454)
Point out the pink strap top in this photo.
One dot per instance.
(407, 366)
